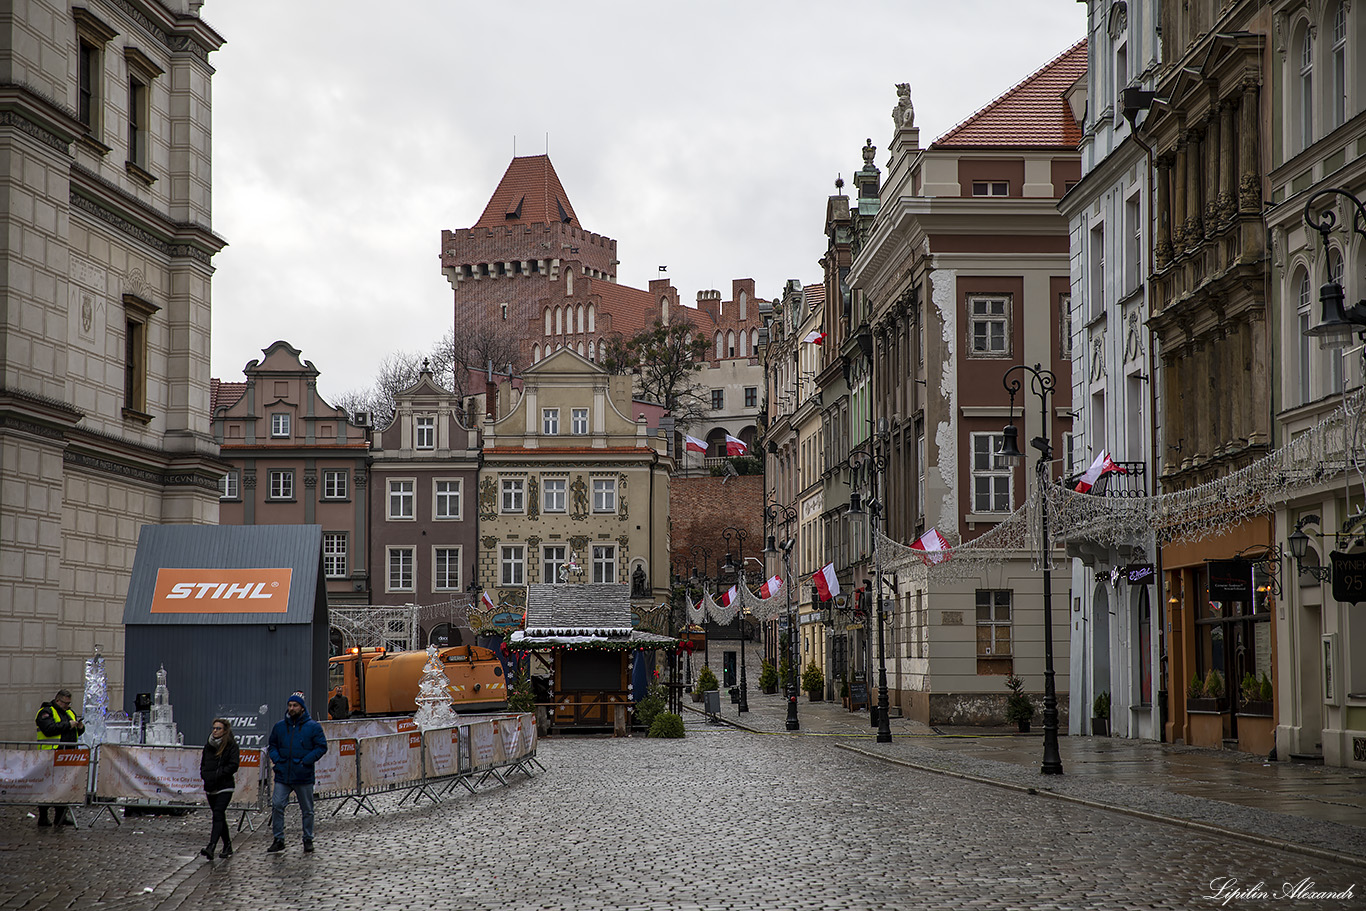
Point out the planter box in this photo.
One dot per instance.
(770, 690)
(696, 695)
(814, 696)
(1100, 727)
(1207, 728)
(1256, 734)
(1204, 704)
(1255, 708)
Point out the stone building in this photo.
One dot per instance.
(104, 378)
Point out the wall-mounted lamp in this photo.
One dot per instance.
(1298, 543)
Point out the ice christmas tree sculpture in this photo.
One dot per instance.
(95, 704)
(433, 698)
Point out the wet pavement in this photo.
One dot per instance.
(756, 819)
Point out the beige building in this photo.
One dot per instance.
(573, 487)
(104, 322)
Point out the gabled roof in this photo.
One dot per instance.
(1034, 113)
(593, 614)
(529, 193)
(224, 394)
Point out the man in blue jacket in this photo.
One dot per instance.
(296, 743)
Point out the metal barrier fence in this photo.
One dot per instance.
(428, 764)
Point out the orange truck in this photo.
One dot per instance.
(379, 682)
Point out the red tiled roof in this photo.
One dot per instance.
(1034, 113)
(225, 394)
(813, 296)
(632, 309)
(529, 193)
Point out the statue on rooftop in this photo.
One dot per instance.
(903, 115)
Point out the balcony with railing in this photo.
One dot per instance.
(1131, 480)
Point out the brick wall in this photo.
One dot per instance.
(700, 509)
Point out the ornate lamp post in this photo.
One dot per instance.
(788, 515)
(697, 579)
(1335, 329)
(1042, 384)
(874, 511)
(739, 570)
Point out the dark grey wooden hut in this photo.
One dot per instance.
(238, 662)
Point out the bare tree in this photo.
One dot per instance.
(470, 349)
(666, 359)
(397, 372)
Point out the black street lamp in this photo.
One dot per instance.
(874, 512)
(788, 515)
(739, 570)
(1043, 384)
(1335, 329)
(697, 579)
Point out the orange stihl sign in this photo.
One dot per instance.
(221, 591)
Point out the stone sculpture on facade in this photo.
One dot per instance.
(903, 115)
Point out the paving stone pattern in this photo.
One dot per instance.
(723, 819)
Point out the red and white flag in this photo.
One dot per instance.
(693, 444)
(771, 587)
(827, 583)
(814, 337)
(735, 447)
(932, 546)
(1103, 465)
(488, 600)
(728, 597)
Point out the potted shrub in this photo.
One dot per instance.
(1019, 709)
(768, 677)
(1100, 715)
(1257, 696)
(813, 681)
(1205, 694)
(706, 680)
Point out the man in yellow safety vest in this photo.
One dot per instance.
(57, 724)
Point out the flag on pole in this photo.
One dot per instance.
(771, 587)
(932, 546)
(827, 583)
(487, 599)
(1103, 465)
(735, 447)
(814, 337)
(728, 597)
(693, 444)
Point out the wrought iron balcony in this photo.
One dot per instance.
(1130, 481)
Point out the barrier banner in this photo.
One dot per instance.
(405, 724)
(528, 723)
(335, 772)
(357, 728)
(443, 752)
(486, 746)
(510, 730)
(33, 776)
(160, 774)
(247, 781)
(391, 760)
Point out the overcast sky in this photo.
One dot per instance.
(702, 136)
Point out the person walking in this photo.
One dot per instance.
(296, 743)
(57, 724)
(217, 767)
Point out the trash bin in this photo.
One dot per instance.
(711, 702)
(735, 695)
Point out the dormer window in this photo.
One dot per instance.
(279, 424)
(424, 436)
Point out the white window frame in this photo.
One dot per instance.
(987, 446)
(991, 188)
(446, 578)
(578, 421)
(560, 490)
(512, 496)
(990, 602)
(281, 482)
(605, 495)
(442, 499)
(986, 318)
(424, 431)
(512, 564)
(229, 486)
(400, 574)
(550, 422)
(604, 563)
(279, 424)
(551, 565)
(335, 554)
(401, 493)
(336, 484)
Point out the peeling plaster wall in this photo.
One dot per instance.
(942, 297)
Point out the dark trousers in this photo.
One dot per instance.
(61, 815)
(218, 804)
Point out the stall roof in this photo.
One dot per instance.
(587, 615)
(183, 574)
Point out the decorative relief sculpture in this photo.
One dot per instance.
(488, 498)
(578, 496)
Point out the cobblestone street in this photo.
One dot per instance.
(723, 819)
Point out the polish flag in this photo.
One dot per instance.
(932, 546)
(1103, 465)
(814, 338)
(693, 444)
(735, 447)
(827, 583)
(488, 600)
(771, 587)
(729, 596)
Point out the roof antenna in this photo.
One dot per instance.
(547, 143)
(514, 145)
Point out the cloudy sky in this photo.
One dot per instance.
(702, 135)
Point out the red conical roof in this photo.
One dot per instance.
(529, 193)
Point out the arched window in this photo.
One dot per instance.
(547, 320)
(1304, 298)
(744, 344)
(1306, 86)
(592, 319)
(559, 321)
(754, 340)
(730, 343)
(569, 282)
(1337, 104)
(592, 351)
(578, 319)
(720, 350)
(579, 348)
(535, 353)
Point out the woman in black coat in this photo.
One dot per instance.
(217, 768)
